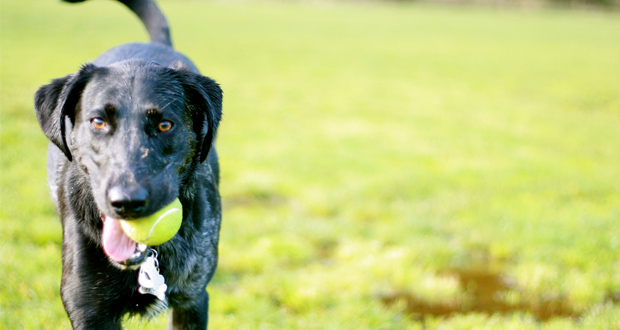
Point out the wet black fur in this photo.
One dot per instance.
(132, 87)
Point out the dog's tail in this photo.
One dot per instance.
(152, 18)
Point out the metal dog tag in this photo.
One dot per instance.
(150, 280)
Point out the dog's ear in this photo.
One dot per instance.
(203, 96)
(55, 105)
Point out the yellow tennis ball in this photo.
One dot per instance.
(157, 228)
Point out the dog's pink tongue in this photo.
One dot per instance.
(118, 246)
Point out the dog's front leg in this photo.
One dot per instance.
(191, 316)
(89, 291)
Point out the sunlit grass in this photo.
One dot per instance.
(366, 150)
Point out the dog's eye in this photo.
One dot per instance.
(164, 126)
(98, 123)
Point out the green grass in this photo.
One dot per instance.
(368, 151)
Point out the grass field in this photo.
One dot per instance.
(384, 165)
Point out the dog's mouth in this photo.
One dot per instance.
(118, 246)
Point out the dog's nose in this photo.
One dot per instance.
(128, 202)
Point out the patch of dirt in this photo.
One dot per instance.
(485, 289)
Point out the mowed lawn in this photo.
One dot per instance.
(384, 165)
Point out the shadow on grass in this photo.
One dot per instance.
(254, 198)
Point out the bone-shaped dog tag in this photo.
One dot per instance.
(150, 280)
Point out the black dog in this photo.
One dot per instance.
(130, 133)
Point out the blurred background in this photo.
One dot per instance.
(385, 164)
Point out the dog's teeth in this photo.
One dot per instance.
(142, 247)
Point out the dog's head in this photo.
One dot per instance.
(135, 129)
